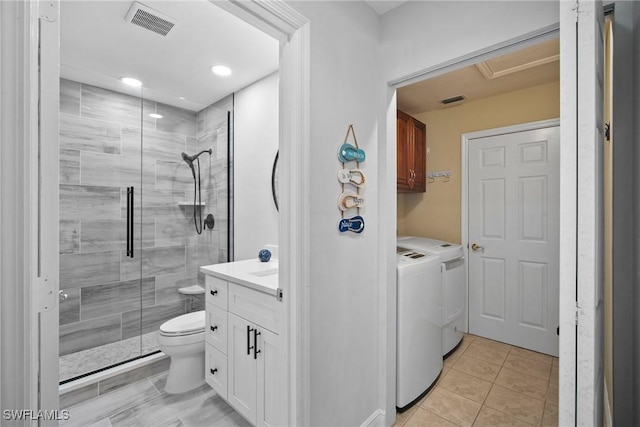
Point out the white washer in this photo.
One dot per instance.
(419, 331)
(453, 285)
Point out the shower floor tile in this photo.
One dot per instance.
(82, 362)
(145, 403)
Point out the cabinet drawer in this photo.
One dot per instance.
(216, 370)
(216, 327)
(216, 291)
(255, 306)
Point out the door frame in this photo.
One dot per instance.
(39, 294)
(465, 140)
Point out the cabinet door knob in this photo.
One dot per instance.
(213, 328)
(214, 293)
(213, 371)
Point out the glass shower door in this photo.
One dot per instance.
(101, 225)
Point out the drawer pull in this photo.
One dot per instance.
(214, 293)
(213, 371)
(213, 328)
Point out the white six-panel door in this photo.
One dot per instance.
(513, 191)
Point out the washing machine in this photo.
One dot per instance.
(419, 328)
(453, 285)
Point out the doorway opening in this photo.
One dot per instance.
(511, 89)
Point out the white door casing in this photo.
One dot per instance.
(513, 216)
(581, 244)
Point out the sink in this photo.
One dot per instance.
(263, 273)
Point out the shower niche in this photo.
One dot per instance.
(131, 234)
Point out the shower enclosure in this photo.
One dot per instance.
(127, 236)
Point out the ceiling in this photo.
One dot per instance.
(98, 46)
(532, 66)
(383, 6)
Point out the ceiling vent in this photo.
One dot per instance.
(150, 19)
(452, 100)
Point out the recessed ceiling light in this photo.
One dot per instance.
(182, 97)
(221, 70)
(155, 116)
(131, 81)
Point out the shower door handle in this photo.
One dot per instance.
(130, 201)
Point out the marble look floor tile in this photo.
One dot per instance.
(533, 355)
(466, 385)
(109, 385)
(515, 404)
(530, 386)
(550, 417)
(102, 423)
(477, 368)
(527, 366)
(493, 355)
(102, 407)
(452, 407)
(79, 395)
(489, 417)
(423, 418)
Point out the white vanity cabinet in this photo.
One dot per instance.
(245, 360)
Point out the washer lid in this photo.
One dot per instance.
(185, 324)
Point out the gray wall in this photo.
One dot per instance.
(626, 107)
(99, 158)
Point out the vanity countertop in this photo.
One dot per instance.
(261, 276)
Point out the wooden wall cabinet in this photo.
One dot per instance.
(411, 146)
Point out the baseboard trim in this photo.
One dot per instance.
(608, 419)
(375, 420)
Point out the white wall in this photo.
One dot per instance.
(345, 89)
(422, 34)
(255, 144)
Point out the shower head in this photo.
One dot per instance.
(189, 159)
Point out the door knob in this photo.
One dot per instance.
(477, 247)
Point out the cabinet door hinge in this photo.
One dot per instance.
(279, 294)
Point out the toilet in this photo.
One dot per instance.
(182, 339)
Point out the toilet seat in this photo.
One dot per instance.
(186, 324)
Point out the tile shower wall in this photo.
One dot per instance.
(99, 157)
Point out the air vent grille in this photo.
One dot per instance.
(150, 19)
(453, 99)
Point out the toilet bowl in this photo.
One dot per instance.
(182, 339)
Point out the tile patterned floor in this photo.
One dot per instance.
(487, 383)
(483, 383)
(145, 404)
